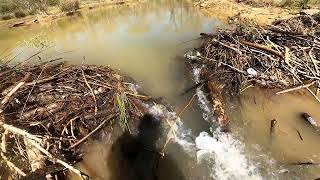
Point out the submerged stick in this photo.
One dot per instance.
(312, 93)
(310, 120)
(273, 124)
(185, 107)
(96, 129)
(296, 88)
(217, 106)
(300, 136)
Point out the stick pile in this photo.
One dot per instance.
(283, 55)
(47, 110)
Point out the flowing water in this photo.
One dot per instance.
(147, 41)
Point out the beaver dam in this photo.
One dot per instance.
(284, 56)
(49, 110)
(74, 120)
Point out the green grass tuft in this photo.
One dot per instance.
(121, 102)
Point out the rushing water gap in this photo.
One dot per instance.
(147, 42)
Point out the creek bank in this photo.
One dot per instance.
(50, 109)
(55, 13)
(263, 15)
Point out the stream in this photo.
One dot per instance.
(147, 41)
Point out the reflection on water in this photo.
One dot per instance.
(252, 118)
(142, 40)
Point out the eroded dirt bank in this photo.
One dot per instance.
(54, 13)
(227, 9)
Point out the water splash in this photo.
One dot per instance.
(202, 99)
(220, 151)
(226, 156)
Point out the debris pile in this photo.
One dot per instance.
(281, 55)
(48, 110)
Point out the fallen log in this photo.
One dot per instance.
(217, 106)
(310, 120)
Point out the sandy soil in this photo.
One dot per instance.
(223, 9)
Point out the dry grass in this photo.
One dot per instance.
(7, 17)
(70, 5)
(284, 3)
(19, 14)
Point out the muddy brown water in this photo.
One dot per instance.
(147, 42)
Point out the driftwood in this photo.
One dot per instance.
(310, 120)
(217, 106)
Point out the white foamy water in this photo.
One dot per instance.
(202, 99)
(226, 156)
(223, 154)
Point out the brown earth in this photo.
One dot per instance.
(224, 9)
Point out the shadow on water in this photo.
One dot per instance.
(137, 157)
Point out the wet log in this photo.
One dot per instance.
(217, 106)
(310, 120)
